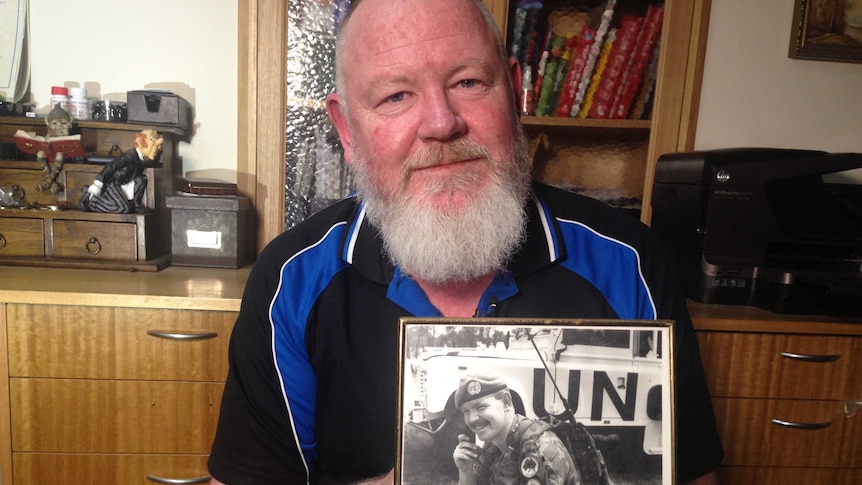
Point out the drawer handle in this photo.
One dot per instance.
(158, 479)
(182, 335)
(2, 241)
(792, 424)
(851, 408)
(94, 246)
(811, 358)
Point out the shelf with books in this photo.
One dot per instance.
(606, 133)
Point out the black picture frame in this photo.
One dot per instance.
(615, 375)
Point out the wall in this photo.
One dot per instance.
(112, 46)
(754, 95)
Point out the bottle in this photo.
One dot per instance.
(79, 104)
(60, 94)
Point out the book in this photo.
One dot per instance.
(519, 34)
(593, 57)
(70, 146)
(576, 70)
(619, 59)
(641, 56)
(593, 83)
(541, 64)
(562, 72)
(553, 62)
(537, 38)
(643, 102)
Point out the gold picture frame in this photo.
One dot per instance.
(614, 376)
(827, 30)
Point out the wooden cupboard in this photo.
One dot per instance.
(98, 392)
(780, 386)
(92, 392)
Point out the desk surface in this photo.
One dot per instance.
(221, 289)
(173, 287)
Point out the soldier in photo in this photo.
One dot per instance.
(517, 450)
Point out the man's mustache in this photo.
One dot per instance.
(436, 154)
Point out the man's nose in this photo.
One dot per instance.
(471, 419)
(441, 119)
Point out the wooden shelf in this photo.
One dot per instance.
(22, 122)
(554, 121)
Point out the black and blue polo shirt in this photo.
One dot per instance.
(311, 394)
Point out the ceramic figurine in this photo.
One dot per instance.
(120, 186)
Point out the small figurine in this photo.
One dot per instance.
(120, 186)
(58, 121)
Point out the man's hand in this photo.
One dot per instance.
(465, 454)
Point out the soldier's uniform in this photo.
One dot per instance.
(548, 464)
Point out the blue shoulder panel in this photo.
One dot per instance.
(612, 266)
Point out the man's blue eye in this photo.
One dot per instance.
(468, 83)
(395, 98)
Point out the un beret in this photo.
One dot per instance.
(475, 386)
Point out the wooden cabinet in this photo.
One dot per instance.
(92, 391)
(780, 385)
(618, 155)
(54, 232)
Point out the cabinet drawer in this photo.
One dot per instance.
(88, 416)
(751, 438)
(78, 179)
(744, 475)
(113, 241)
(21, 237)
(782, 366)
(27, 179)
(117, 343)
(84, 469)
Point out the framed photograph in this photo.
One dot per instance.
(533, 400)
(828, 30)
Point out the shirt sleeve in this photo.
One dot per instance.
(699, 449)
(255, 441)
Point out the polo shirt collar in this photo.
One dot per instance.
(362, 246)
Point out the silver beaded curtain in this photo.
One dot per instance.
(315, 174)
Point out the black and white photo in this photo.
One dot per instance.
(554, 401)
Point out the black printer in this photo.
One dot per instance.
(761, 227)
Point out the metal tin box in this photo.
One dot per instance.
(161, 107)
(209, 231)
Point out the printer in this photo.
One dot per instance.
(761, 227)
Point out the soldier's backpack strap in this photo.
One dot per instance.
(587, 457)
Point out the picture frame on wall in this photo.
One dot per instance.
(827, 30)
(605, 387)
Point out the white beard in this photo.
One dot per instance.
(438, 244)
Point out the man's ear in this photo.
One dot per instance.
(339, 120)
